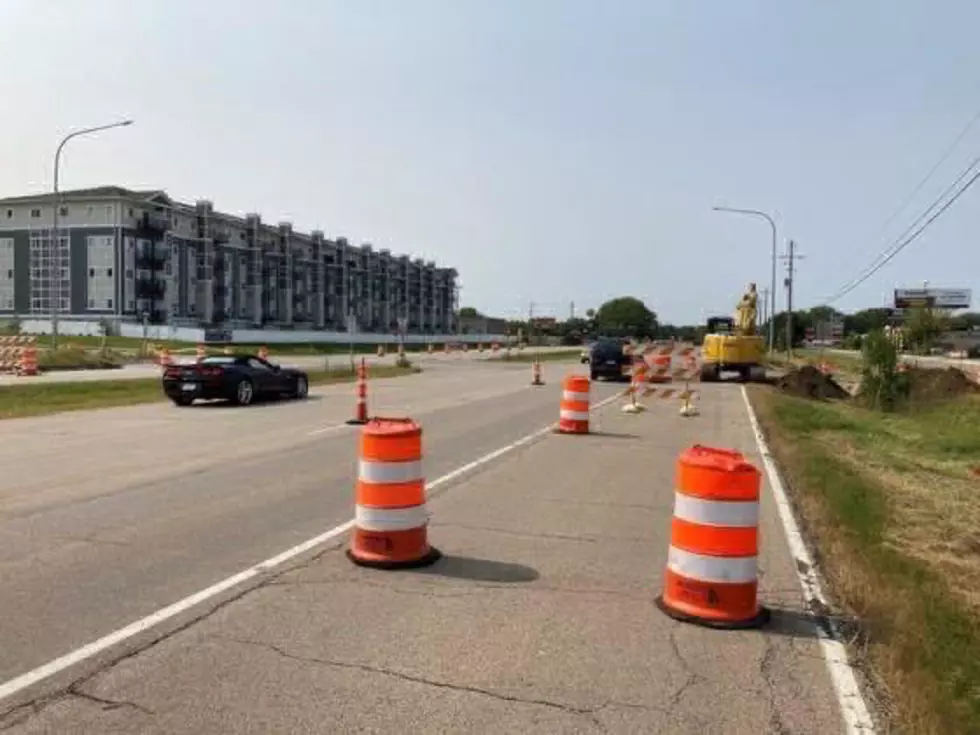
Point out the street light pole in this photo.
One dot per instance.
(772, 304)
(54, 244)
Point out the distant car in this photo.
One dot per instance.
(608, 360)
(241, 379)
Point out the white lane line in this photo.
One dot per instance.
(854, 708)
(327, 429)
(56, 666)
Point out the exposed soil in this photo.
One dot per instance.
(808, 382)
(930, 385)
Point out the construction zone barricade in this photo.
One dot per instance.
(637, 380)
(536, 373)
(18, 355)
(573, 416)
(360, 396)
(28, 361)
(390, 516)
(711, 577)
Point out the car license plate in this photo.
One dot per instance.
(189, 386)
(610, 362)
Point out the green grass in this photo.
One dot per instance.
(40, 399)
(134, 344)
(528, 355)
(888, 499)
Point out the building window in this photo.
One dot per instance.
(10, 214)
(101, 255)
(7, 273)
(36, 214)
(63, 211)
(50, 274)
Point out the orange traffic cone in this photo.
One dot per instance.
(390, 517)
(712, 569)
(574, 409)
(360, 415)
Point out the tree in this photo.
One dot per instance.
(626, 316)
(866, 320)
(924, 327)
(965, 321)
(468, 312)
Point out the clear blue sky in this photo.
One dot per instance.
(551, 150)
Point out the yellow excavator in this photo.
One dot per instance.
(732, 345)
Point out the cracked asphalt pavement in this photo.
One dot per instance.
(540, 618)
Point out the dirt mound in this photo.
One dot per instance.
(808, 382)
(928, 385)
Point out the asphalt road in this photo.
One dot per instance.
(106, 516)
(539, 619)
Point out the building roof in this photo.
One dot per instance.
(98, 192)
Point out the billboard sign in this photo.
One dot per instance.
(937, 298)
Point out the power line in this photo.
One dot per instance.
(885, 255)
(932, 171)
(899, 247)
(875, 264)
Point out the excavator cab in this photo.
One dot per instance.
(725, 350)
(721, 325)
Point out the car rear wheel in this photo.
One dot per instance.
(302, 389)
(244, 392)
(182, 401)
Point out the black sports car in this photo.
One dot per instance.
(238, 378)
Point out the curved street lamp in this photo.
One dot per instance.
(54, 245)
(772, 303)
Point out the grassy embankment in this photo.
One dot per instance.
(528, 355)
(892, 502)
(17, 401)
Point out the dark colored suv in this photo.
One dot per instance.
(607, 360)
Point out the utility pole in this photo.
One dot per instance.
(530, 323)
(791, 257)
(571, 311)
(765, 308)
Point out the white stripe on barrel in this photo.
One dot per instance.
(389, 473)
(735, 514)
(737, 570)
(390, 519)
(570, 395)
(574, 415)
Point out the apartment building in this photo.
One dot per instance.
(141, 256)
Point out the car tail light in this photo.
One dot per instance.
(211, 372)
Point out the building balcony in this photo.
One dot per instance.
(150, 288)
(150, 259)
(152, 224)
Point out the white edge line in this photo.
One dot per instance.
(60, 664)
(854, 708)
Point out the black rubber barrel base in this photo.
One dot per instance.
(758, 620)
(356, 422)
(429, 559)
